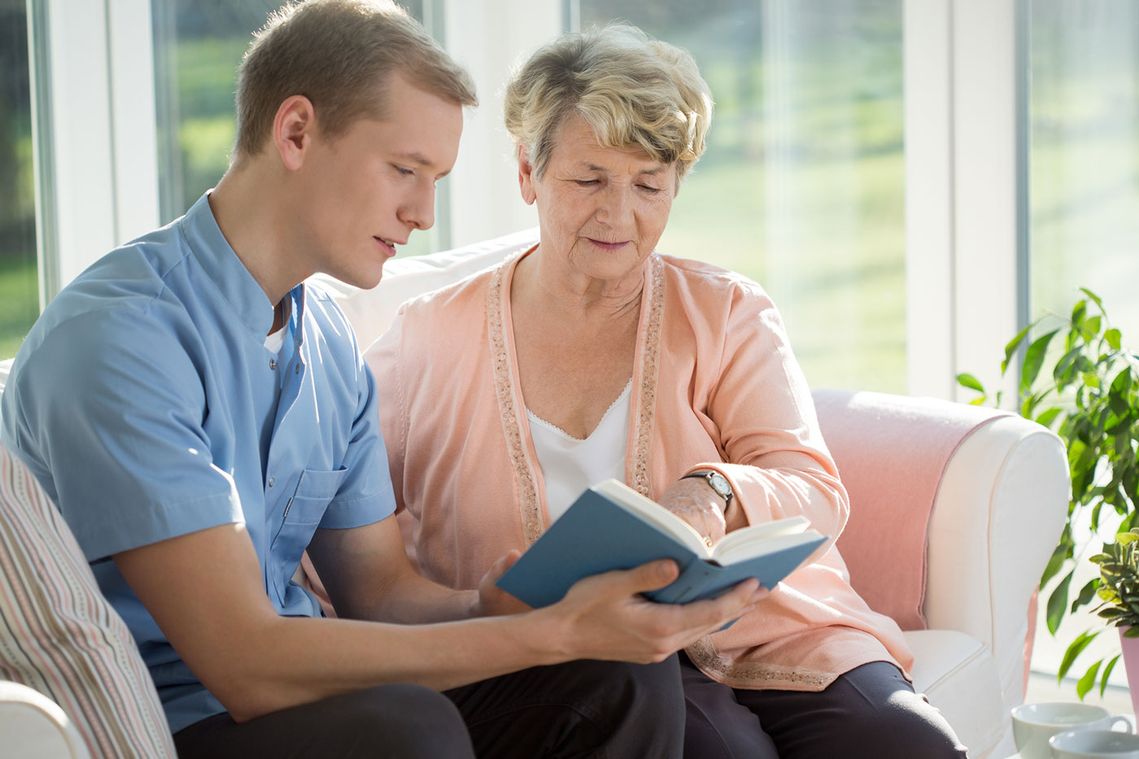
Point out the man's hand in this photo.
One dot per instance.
(605, 616)
(493, 600)
(697, 504)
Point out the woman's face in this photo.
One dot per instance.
(600, 210)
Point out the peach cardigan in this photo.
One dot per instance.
(714, 384)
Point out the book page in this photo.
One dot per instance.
(758, 539)
(653, 513)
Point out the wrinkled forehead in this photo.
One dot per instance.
(578, 142)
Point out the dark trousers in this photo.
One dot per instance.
(580, 709)
(869, 712)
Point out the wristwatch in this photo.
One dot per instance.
(717, 482)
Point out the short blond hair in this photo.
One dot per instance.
(338, 54)
(633, 91)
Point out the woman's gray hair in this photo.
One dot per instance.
(633, 91)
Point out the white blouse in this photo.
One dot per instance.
(570, 464)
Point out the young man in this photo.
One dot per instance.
(201, 416)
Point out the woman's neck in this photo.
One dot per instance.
(543, 286)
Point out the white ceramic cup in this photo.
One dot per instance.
(1094, 744)
(1034, 724)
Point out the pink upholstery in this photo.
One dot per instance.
(891, 453)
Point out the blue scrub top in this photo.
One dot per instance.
(146, 403)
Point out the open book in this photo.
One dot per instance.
(611, 526)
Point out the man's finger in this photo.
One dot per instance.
(732, 605)
(651, 576)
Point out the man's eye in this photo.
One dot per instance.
(649, 189)
(404, 171)
(585, 182)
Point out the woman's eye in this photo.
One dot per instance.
(585, 182)
(404, 171)
(649, 189)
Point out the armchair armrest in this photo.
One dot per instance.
(32, 725)
(955, 510)
(999, 510)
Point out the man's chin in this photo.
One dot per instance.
(365, 280)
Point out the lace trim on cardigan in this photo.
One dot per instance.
(646, 406)
(743, 674)
(504, 390)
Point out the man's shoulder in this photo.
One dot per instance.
(131, 278)
(121, 303)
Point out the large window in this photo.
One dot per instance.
(802, 184)
(19, 288)
(198, 45)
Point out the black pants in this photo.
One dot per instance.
(580, 709)
(869, 712)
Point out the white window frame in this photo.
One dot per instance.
(966, 194)
(94, 126)
(966, 188)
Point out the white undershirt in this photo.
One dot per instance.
(274, 341)
(570, 465)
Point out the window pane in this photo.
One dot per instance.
(19, 286)
(1084, 156)
(198, 46)
(801, 187)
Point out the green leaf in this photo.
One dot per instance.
(1062, 551)
(1034, 359)
(1066, 368)
(1114, 338)
(1075, 648)
(1122, 383)
(1106, 674)
(1086, 682)
(968, 380)
(1049, 415)
(1013, 345)
(1078, 312)
(1058, 603)
(1095, 298)
(1091, 327)
(1087, 593)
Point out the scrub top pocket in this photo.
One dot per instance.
(303, 512)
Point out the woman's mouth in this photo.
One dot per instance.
(604, 245)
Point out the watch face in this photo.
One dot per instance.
(720, 484)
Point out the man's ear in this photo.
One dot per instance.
(293, 129)
(526, 176)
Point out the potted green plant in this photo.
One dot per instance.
(1090, 398)
(1119, 601)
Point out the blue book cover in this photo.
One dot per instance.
(611, 526)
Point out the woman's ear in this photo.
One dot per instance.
(293, 129)
(526, 176)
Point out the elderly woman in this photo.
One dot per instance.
(592, 356)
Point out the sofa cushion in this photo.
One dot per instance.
(958, 675)
(60, 637)
(371, 311)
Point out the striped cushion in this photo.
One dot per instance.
(59, 636)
